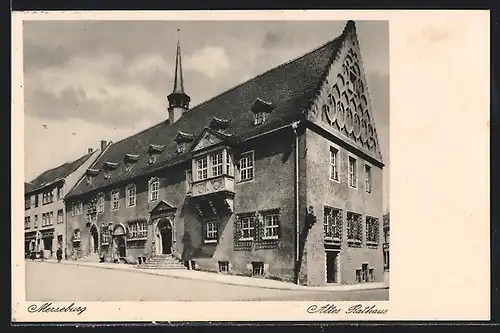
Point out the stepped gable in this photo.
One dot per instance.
(60, 172)
(291, 88)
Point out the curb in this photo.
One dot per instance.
(291, 287)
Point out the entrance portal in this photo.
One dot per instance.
(122, 249)
(94, 240)
(332, 266)
(164, 237)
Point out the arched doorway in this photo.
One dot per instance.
(164, 237)
(94, 239)
(120, 241)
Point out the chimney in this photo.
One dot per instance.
(103, 145)
(90, 150)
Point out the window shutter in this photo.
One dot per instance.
(255, 227)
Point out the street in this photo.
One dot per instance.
(59, 282)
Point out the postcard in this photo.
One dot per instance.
(250, 166)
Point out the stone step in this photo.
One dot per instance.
(164, 261)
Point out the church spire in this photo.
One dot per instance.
(178, 100)
(178, 79)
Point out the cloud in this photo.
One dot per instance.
(102, 89)
(210, 61)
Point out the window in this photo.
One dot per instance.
(47, 219)
(115, 199)
(223, 266)
(189, 180)
(372, 234)
(130, 196)
(246, 166)
(358, 275)
(152, 158)
(128, 166)
(333, 224)
(247, 228)
(257, 268)
(354, 229)
(352, 172)
(271, 226)
(211, 232)
(104, 236)
(229, 164)
(100, 203)
(202, 168)
(181, 147)
(334, 172)
(368, 178)
(47, 197)
(35, 221)
(216, 160)
(27, 203)
(154, 185)
(137, 230)
(77, 208)
(260, 117)
(365, 273)
(60, 216)
(92, 206)
(60, 193)
(36, 200)
(27, 222)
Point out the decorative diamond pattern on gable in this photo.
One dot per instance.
(343, 106)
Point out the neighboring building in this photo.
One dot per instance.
(279, 177)
(44, 210)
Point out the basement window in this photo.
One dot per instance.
(257, 268)
(223, 266)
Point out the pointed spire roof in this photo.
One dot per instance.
(178, 79)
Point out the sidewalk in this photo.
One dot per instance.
(222, 278)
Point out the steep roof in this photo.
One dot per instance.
(55, 174)
(28, 187)
(290, 87)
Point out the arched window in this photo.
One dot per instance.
(154, 186)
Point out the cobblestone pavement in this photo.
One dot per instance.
(58, 282)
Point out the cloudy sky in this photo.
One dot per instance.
(87, 81)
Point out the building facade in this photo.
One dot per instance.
(278, 177)
(44, 209)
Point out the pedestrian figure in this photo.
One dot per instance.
(59, 254)
(41, 254)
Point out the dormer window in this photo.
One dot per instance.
(130, 160)
(91, 173)
(261, 110)
(154, 151)
(108, 167)
(183, 139)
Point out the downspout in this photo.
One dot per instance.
(295, 126)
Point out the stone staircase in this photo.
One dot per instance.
(163, 261)
(92, 257)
